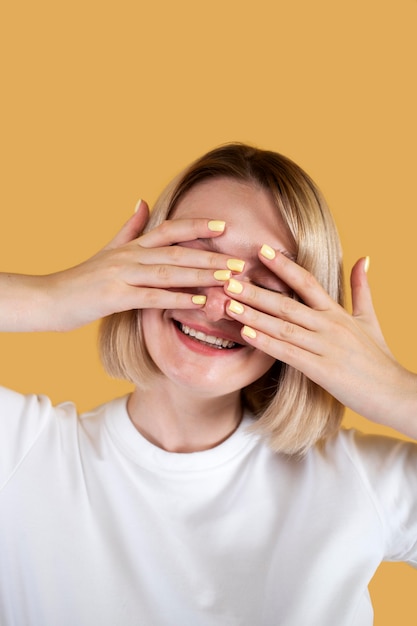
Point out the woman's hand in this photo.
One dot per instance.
(131, 272)
(345, 354)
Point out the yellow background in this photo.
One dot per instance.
(103, 102)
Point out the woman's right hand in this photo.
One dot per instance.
(132, 272)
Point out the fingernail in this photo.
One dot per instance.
(217, 226)
(236, 265)
(137, 205)
(222, 274)
(234, 286)
(236, 307)
(249, 332)
(366, 264)
(199, 299)
(268, 252)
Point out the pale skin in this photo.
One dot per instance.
(127, 273)
(162, 270)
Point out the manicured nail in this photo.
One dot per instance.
(268, 252)
(199, 299)
(366, 264)
(236, 265)
(137, 205)
(249, 332)
(234, 286)
(222, 274)
(236, 307)
(217, 226)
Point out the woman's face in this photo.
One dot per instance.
(251, 220)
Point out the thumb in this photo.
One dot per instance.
(362, 305)
(361, 293)
(133, 227)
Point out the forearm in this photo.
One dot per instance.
(26, 303)
(129, 273)
(398, 409)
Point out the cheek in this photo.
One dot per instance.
(149, 320)
(264, 364)
(151, 327)
(253, 369)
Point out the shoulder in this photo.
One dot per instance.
(25, 415)
(29, 421)
(38, 409)
(374, 453)
(374, 459)
(386, 468)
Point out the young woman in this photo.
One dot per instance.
(222, 490)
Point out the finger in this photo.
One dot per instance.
(171, 276)
(133, 227)
(274, 327)
(300, 280)
(178, 231)
(277, 305)
(188, 257)
(361, 293)
(362, 305)
(154, 298)
(310, 364)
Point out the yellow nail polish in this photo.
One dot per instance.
(249, 332)
(236, 307)
(236, 265)
(268, 252)
(222, 274)
(199, 299)
(216, 226)
(234, 286)
(137, 205)
(366, 264)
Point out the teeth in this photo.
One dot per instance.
(217, 342)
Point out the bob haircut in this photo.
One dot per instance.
(293, 412)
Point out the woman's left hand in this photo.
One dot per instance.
(344, 353)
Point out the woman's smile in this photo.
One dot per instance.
(208, 341)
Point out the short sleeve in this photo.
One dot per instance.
(22, 420)
(388, 468)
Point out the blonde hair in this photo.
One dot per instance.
(291, 410)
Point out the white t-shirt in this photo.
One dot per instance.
(100, 527)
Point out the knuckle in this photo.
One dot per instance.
(162, 272)
(180, 300)
(265, 342)
(288, 306)
(288, 353)
(308, 281)
(164, 228)
(197, 224)
(255, 317)
(287, 331)
(212, 260)
(176, 253)
(150, 297)
(202, 277)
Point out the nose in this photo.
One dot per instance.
(215, 306)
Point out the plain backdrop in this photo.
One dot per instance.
(103, 102)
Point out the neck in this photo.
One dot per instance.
(179, 421)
